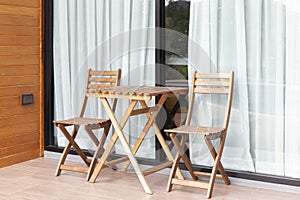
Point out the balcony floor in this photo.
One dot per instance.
(35, 180)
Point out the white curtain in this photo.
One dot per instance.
(292, 91)
(102, 35)
(258, 39)
(214, 33)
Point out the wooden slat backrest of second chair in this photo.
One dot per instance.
(215, 84)
(95, 80)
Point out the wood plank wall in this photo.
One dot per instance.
(21, 127)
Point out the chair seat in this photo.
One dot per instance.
(212, 132)
(81, 121)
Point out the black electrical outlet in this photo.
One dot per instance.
(26, 99)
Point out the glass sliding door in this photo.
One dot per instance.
(257, 39)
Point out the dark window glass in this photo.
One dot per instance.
(177, 14)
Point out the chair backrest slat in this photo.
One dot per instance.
(106, 80)
(213, 83)
(211, 90)
(212, 75)
(103, 79)
(104, 73)
(100, 79)
(98, 86)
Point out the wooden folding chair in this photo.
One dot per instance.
(221, 84)
(95, 80)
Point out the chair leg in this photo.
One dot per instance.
(65, 152)
(220, 166)
(102, 141)
(175, 163)
(212, 180)
(74, 144)
(215, 167)
(92, 135)
(94, 162)
(173, 172)
(99, 166)
(184, 157)
(98, 151)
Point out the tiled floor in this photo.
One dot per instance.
(35, 180)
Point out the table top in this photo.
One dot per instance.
(135, 92)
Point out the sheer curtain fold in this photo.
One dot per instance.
(292, 92)
(100, 35)
(257, 39)
(215, 31)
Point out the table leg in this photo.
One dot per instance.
(161, 138)
(113, 140)
(125, 144)
(146, 128)
(144, 131)
(152, 123)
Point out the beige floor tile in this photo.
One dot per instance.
(35, 180)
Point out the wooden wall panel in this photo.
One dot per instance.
(13, 131)
(23, 147)
(19, 110)
(19, 50)
(19, 40)
(28, 3)
(19, 30)
(9, 91)
(19, 60)
(21, 72)
(32, 117)
(19, 80)
(13, 101)
(10, 142)
(20, 157)
(17, 70)
(19, 11)
(19, 21)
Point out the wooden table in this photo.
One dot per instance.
(136, 94)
